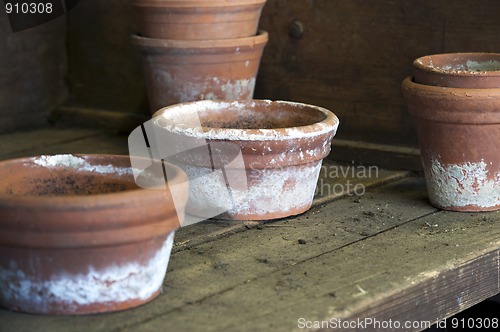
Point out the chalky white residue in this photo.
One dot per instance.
(184, 120)
(132, 281)
(270, 190)
(278, 190)
(469, 67)
(65, 160)
(463, 185)
(483, 66)
(199, 88)
(78, 163)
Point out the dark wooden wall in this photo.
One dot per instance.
(104, 69)
(33, 68)
(350, 58)
(353, 55)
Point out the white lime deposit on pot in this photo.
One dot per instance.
(115, 283)
(462, 185)
(66, 160)
(78, 163)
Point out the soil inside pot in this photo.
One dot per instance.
(65, 175)
(460, 63)
(64, 183)
(471, 66)
(261, 120)
(256, 118)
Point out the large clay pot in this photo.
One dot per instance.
(185, 70)
(459, 70)
(270, 154)
(459, 134)
(78, 236)
(197, 19)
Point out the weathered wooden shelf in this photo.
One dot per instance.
(386, 256)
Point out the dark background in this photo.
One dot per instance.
(351, 59)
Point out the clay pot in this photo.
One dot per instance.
(458, 131)
(459, 70)
(265, 156)
(78, 236)
(177, 71)
(197, 19)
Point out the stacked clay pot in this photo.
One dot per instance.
(455, 101)
(199, 49)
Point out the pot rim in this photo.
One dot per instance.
(451, 105)
(424, 64)
(195, 3)
(328, 124)
(104, 200)
(443, 91)
(144, 42)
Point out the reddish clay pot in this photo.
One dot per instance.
(178, 71)
(198, 19)
(78, 236)
(269, 154)
(459, 70)
(458, 131)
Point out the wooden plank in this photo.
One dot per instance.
(211, 270)
(336, 180)
(386, 156)
(101, 143)
(39, 141)
(409, 273)
(118, 122)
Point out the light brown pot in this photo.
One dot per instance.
(256, 159)
(458, 132)
(78, 236)
(459, 70)
(181, 70)
(197, 19)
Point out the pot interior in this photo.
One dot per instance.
(462, 62)
(252, 115)
(60, 182)
(26, 178)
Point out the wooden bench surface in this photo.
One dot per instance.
(383, 257)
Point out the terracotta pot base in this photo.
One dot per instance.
(114, 287)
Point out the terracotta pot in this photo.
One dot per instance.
(269, 152)
(178, 71)
(198, 19)
(459, 70)
(458, 131)
(78, 236)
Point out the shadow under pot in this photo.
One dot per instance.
(247, 160)
(178, 71)
(459, 70)
(458, 131)
(77, 235)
